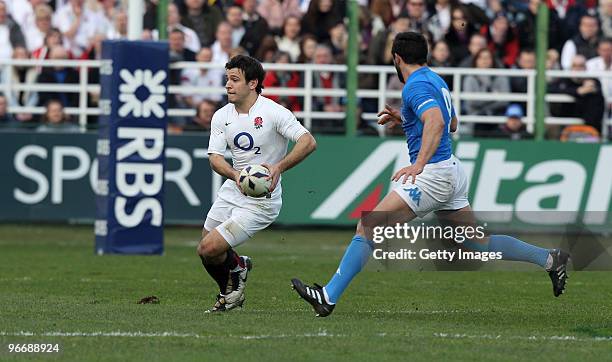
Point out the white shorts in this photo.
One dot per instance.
(238, 217)
(441, 186)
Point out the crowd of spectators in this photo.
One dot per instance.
(480, 34)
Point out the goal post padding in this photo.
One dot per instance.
(131, 147)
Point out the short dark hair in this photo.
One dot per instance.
(251, 68)
(177, 30)
(604, 40)
(411, 47)
(527, 50)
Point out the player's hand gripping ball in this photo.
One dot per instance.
(254, 181)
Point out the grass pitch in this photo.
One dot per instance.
(53, 289)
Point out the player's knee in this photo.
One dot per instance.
(207, 250)
(210, 248)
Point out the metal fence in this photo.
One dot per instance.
(381, 94)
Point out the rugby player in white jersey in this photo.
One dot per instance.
(257, 131)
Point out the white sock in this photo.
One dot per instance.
(326, 297)
(549, 262)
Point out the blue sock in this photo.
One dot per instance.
(355, 257)
(515, 249)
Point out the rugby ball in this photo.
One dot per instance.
(254, 181)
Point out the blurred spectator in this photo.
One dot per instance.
(552, 59)
(459, 34)
(22, 75)
(192, 42)
(22, 12)
(380, 47)
(207, 78)
(476, 44)
(440, 21)
(58, 75)
(255, 27)
(502, 40)
(234, 19)
(589, 102)
(382, 14)
(10, 33)
(223, 45)
(267, 50)
(237, 51)
(321, 16)
(52, 38)
(55, 119)
(580, 133)
(570, 12)
(526, 25)
(276, 11)
(526, 60)
(35, 35)
(396, 7)
(78, 26)
(203, 19)
(495, 8)
(605, 17)
(149, 21)
(6, 119)
(583, 43)
(106, 12)
(328, 80)
(203, 118)
(338, 42)
(283, 79)
(368, 28)
(485, 84)
(513, 128)
(110, 9)
(603, 62)
(308, 44)
(417, 15)
(119, 30)
(475, 11)
(290, 41)
(178, 51)
(440, 57)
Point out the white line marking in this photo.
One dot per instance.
(530, 338)
(321, 333)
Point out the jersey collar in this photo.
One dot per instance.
(416, 72)
(253, 107)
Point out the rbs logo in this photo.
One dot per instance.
(135, 179)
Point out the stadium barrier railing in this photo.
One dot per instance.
(381, 94)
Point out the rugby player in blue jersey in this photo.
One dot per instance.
(436, 180)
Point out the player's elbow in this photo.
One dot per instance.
(214, 160)
(310, 144)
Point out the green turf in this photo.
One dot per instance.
(50, 281)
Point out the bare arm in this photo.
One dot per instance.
(220, 166)
(304, 146)
(74, 27)
(432, 132)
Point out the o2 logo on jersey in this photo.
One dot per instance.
(245, 142)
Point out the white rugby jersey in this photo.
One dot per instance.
(261, 136)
